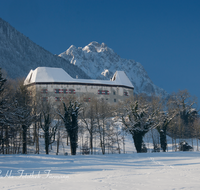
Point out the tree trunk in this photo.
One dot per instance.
(104, 147)
(73, 135)
(38, 136)
(124, 142)
(138, 141)
(47, 142)
(7, 140)
(175, 145)
(72, 145)
(35, 133)
(58, 142)
(163, 140)
(67, 139)
(91, 142)
(118, 143)
(24, 150)
(2, 140)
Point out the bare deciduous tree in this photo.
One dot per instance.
(48, 125)
(70, 119)
(138, 121)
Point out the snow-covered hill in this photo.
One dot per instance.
(100, 62)
(18, 55)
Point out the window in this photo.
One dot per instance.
(114, 92)
(57, 91)
(125, 93)
(71, 91)
(115, 100)
(99, 91)
(106, 92)
(65, 91)
(44, 91)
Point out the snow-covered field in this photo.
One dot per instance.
(156, 171)
(131, 171)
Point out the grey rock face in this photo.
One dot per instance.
(18, 55)
(100, 62)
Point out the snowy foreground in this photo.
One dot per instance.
(156, 171)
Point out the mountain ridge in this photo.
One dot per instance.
(18, 55)
(100, 62)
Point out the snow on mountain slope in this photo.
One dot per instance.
(100, 62)
(18, 55)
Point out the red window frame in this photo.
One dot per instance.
(58, 91)
(72, 91)
(104, 92)
(64, 91)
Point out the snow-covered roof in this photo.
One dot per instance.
(58, 75)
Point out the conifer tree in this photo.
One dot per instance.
(22, 113)
(3, 109)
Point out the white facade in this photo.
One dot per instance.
(55, 84)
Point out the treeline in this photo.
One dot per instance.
(93, 125)
(177, 116)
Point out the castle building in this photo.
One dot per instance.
(54, 85)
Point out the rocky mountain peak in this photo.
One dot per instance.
(100, 62)
(95, 47)
(94, 44)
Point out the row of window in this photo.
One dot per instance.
(106, 92)
(65, 91)
(72, 91)
(58, 91)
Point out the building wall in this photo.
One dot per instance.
(58, 92)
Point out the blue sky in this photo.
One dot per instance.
(163, 35)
